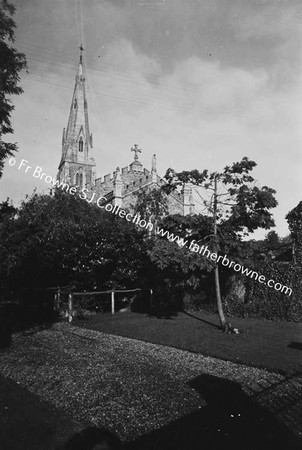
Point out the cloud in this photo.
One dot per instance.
(279, 20)
(201, 84)
(213, 90)
(276, 27)
(122, 55)
(201, 115)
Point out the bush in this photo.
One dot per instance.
(5, 332)
(263, 301)
(7, 312)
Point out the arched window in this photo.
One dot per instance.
(79, 178)
(75, 104)
(81, 144)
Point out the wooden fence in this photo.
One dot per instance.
(71, 295)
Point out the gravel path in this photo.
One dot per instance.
(133, 387)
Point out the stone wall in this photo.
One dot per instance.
(133, 179)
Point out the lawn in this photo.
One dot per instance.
(152, 396)
(276, 346)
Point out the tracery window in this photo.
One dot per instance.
(79, 178)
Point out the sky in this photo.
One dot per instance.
(201, 83)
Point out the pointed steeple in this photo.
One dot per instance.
(77, 140)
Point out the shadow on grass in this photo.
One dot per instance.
(231, 419)
(163, 313)
(93, 438)
(202, 320)
(295, 345)
(5, 334)
(8, 326)
(29, 319)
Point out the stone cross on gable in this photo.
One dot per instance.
(136, 150)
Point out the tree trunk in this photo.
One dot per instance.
(221, 316)
(218, 300)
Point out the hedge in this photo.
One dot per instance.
(260, 300)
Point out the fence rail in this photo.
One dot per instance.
(112, 292)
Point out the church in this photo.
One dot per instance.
(77, 166)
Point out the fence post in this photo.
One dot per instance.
(69, 308)
(112, 302)
(55, 303)
(57, 300)
(58, 297)
(151, 299)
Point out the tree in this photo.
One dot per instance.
(7, 210)
(151, 204)
(294, 219)
(236, 207)
(63, 240)
(11, 63)
(179, 272)
(272, 240)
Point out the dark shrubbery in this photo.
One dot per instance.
(245, 297)
(28, 309)
(263, 301)
(5, 330)
(62, 240)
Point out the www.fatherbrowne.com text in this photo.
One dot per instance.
(193, 246)
(222, 259)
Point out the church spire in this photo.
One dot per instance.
(77, 140)
(77, 133)
(81, 53)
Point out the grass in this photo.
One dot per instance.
(146, 381)
(261, 343)
(151, 396)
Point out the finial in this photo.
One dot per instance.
(136, 150)
(117, 174)
(154, 163)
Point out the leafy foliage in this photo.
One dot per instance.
(242, 206)
(178, 270)
(151, 204)
(261, 301)
(62, 240)
(294, 218)
(272, 240)
(7, 210)
(237, 206)
(11, 63)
